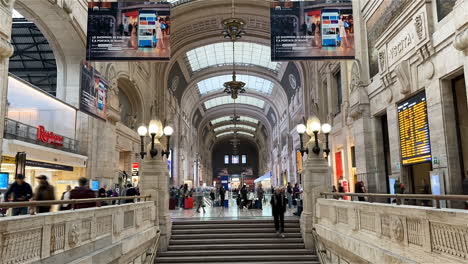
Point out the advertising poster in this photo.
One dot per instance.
(308, 30)
(126, 30)
(94, 87)
(4, 180)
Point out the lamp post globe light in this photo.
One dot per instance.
(142, 131)
(313, 128)
(156, 131)
(168, 131)
(301, 129)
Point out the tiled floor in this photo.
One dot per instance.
(232, 212)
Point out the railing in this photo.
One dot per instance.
(72, 202)
(66, 236)
(27, 133)
(320, 249)
(400, 198)
(390, 233)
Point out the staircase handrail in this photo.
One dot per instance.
(319, 248)
(152, 259)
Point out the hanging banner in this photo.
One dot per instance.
(125, 30)
(93, 97)
(312, 30)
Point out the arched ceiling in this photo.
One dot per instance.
(202, 60)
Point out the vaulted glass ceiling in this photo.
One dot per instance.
(222, 100)
(229, 118)
(252, 82)
(232, 132)
(223, 128)
(219, 54)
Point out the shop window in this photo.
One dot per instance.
(244, 159)
(444, 7)
(226, 159)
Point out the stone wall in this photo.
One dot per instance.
(382, 233)
(113, 234)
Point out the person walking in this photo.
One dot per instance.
(65, 196)
(359, 187)
(83, 192)
(102, 194)
(200, 195)
(289, 193)
(44, 192)
(296, 193)
(244, 193)
(20, 191)
(260, 194)
(222, 195)
(278, 207)
(131, 191)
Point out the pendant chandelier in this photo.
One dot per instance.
(233, 30)
(235, 141)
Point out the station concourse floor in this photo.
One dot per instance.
(232, 212)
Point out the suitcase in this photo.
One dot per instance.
(172, 204)
(226, 203)
(257, 204)
(188, 203)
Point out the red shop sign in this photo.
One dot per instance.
(49, 137)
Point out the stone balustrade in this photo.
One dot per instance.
(126, 233)
(361, 232)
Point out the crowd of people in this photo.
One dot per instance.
(21, 191)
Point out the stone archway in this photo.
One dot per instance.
(58, 22)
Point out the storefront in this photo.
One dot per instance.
(44, 128)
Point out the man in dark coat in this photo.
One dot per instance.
(43, 192)
(222, 195)
(278, 207)
(83, 192)
(131, 191)
(20, 191)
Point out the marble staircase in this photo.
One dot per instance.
(235, 241)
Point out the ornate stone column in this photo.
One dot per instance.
(154, 181)
(315, 173)
(6, 50)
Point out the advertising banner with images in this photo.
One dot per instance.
(93, 97)
(126, 30)
(312, 30)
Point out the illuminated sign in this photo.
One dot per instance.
(299, 161)
(414, 130)
(49, 137)
(135, 169)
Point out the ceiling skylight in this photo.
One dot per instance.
(240, 100)
(248, 119)
(220, 54)
(247, 127)
(245, 133)
(252, 82)
(223, 128)
(229, 118)
(225, 134)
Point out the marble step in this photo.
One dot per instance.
(258, 262)
(223, 241)
(234, 252)
(238, 258)
(233, 235)
(235, 226)
(180, 221)
(233, 230)
(268, 246)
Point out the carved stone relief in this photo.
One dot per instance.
(403, 73)
(74, 235)
(5, 3)
(397, 229)
(418, 24)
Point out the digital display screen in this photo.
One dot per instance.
(414, 130)
(4, 180)
(308, 30)
(95, 185)
(127, 30)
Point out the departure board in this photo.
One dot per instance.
(414, 130)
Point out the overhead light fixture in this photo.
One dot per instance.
(233, 30)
